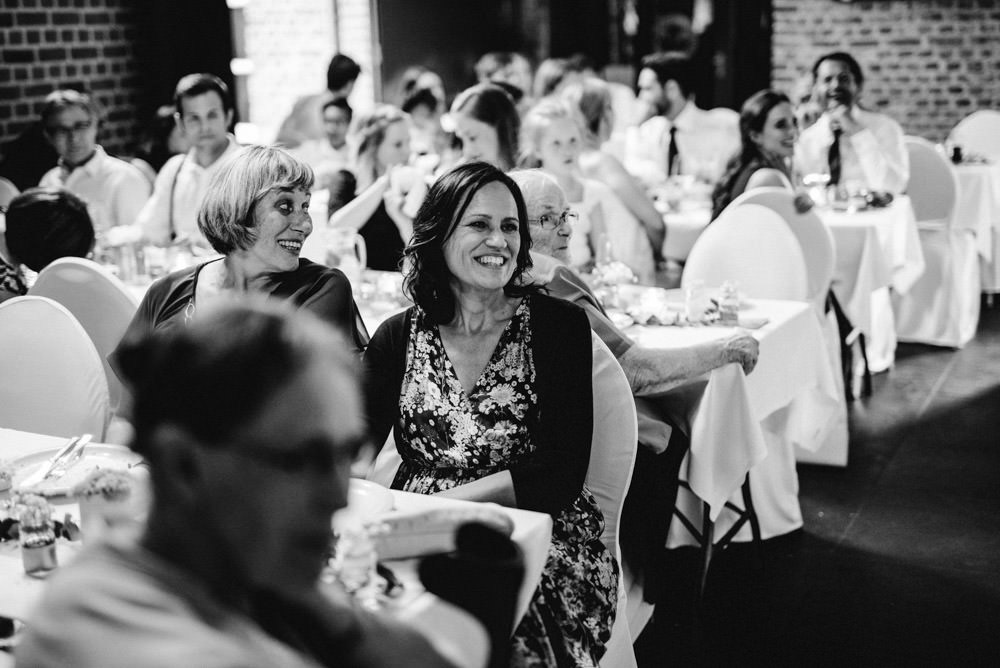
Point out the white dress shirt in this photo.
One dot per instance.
(113, 190)
(705, 142)
(874, 156)
(177, 195)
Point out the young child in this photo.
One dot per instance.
(605, 231)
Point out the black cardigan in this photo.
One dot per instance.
(552, 478)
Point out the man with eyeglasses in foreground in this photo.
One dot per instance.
(113, 190)
(249, 418)
(651, 373)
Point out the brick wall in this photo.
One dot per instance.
(927, 63)
(46, 44)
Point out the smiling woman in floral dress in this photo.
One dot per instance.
(487, 386)
(256, 215)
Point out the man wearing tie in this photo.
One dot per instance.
(678, 138)
(851, 144)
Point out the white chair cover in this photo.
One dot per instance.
(612, 456)
(97, 299)
(53, 380)
(820, 256)
(979, 133)
(814, 237)
(942, 307)
(8, 191)
(752, 244)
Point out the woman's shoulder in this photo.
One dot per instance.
(554, 311)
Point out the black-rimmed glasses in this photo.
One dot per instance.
(550, 221)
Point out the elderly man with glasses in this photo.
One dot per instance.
(651, 373)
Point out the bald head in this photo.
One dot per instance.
(544, 197)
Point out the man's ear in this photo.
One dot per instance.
(175, 453)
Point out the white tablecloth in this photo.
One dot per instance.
(753, 423)
(532, 532)
(979, 210)
(876, 249)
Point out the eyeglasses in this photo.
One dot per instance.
(550, 221)
(66, 131)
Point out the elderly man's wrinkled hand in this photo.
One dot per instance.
(742, 349)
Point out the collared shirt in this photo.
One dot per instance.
(113, 190)
(875, 156)
(705, 142)
(177, 195)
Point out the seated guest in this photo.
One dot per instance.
(591, 98)
(487, 124)
(679, 138)
(204, 111)
(849, 143)
(331, 153)
(42, 225)
(303, 123)
(650, 373)
(767, 133)
(249, 419)
(161, 140)
(427, 137)
(256, 215)
(486, 384)
(114, 190)
(508, 70)
(551, 140)
(376, 206)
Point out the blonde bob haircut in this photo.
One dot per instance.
(226, 217)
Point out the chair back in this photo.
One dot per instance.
(612, 456)
(615, 439)
(8, 191)
(98, 300)
(814, 236)
(933, 187)
(979, 132)
(52, 378)
(752, 244)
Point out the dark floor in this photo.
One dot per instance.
(899, 560)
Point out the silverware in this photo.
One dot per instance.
(46, 469)
(70, 459)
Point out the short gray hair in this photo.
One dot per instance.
(226, 215)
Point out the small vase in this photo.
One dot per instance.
(38, 549)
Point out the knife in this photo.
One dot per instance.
(45, 469)
(70, 459)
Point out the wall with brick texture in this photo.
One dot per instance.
(45, 44)
(927, 63)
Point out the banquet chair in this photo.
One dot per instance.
(752, 244)
(978, 133)
(52, 378)
(98, 300)
(8, 191)
(612, 456)
(942, 307)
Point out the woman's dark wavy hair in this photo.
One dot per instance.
(427, 280)
(753, 115)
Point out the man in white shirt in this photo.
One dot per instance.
(851, 144)
(113, 190)
(204, 114)
(303, 122)
(680, 139)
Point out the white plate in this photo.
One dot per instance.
(367, 500)
(94, 456)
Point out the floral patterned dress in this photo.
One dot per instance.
(11, 279)
(450, 438)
